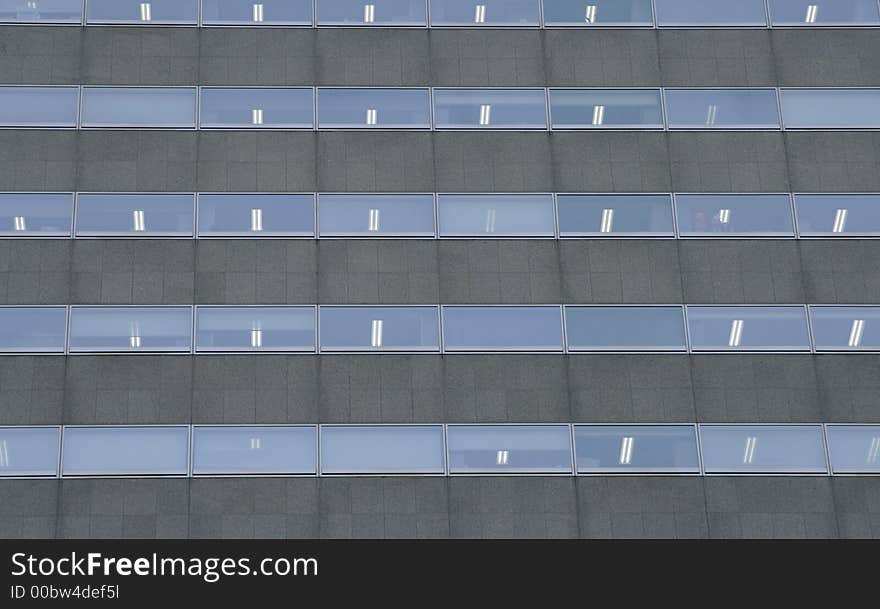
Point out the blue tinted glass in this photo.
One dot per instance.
(41, 11)
(385, 449)
(605, 109)
(374, 12)
(496, 215)
(257, 108)
(139, 107)
(811, 13)
(135, 215)
(255, 328)
(854, 449)
(256, 12)
(734, 215)
(625, 328)
(32, 329)
(722, 109)
(831, 108)
(131, 329)
(838, 215)
(527, 328)
(762, 449)
(29, 451)
(490, 109)
(256, 215)
(373, 109)
(125, 451)
(368, 215)
(748, 329)
(845, 328)
(633, 448)
(254, 450)
(35, 214)
(597, 12)
(509, 449)
(478, 13)
(710, 12)
(38, 106)
(379, 329)
(143, 12)
(614, 215)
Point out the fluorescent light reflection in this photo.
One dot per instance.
(736, 331)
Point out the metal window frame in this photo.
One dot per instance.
(378, 24)
(512, 471)
(561, 349)
(831, 90)
(32, 476)
(146, 235)
(42, 236)
(131, 23)
(443, 469)
(504, 25)
(712, 24)
(772, 349)
(661, 126)
(145, 351)
(38, 127)
(249, 127)
(196, 350)
(53, 22)
(265, 234)
(498, 236)
(140, 127)
(739, 235)
(824, 24)
(580, 235)
(365, 235)
(841, 349)
(98, 475)
(848, 472)
(829, 235)
(735, 128)
(656, 471)
(763, 472)
(479, 128)
(253, 474)
(353, 349)
(262, 24)
(643, 25)
(33, 350)
(619, 349)
(352, 127)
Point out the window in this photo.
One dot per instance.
(470, 13)
(734, 215)
(602, 13)
(29, 451)
(246, 329)
(382, 449)
(722, 108)
(625, 328)
(606, 109)
(831, 108)
(254, 450)
(38, 214)
(184, 12)
(257, 108)
(369, 215)
(172, 107)
(373, 109)
(126, 451)
(380, 328)
(748, 328)
(710, 12)
(256, 215)
(812, 13)
(611, 215)
(134, 215)
(762, 449)
(502, 328)
(838, 215)
(650, 449)
(509, 449)
(130, 329)
(32, 329)
(41, 11)
(854, 449)
(490, 109)
(38, 106)
(257, 12)
(371, 12)
(484, 216)
(845, 328)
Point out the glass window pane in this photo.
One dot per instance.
(831, 108)
(838, 215)
(134, 215)
(254, 450)
(35, 214)
(597, 12)
(625, 328)
(748, 328)
(496, 215)
(256, 215)
(257, 108)
(762, 449)
(606, 109)
(382, 449)
(854, 449)
(734, 215)
(368, 215)
(41, 11)
(845, 328)
(134, 329)
(145, 13)
(29, 451)
(374, 12)
(525, 328)
(373, 109)
(614, 215)
(812, 13)
(32, 329)
(173, 107)
(710, 12)
(257, 12)
(255, 329)
(722, 108)
(490, 109)
(484, 13)
(509, 449)
(379, 329)
(632, 448)
(125, 451)
(38, 106)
